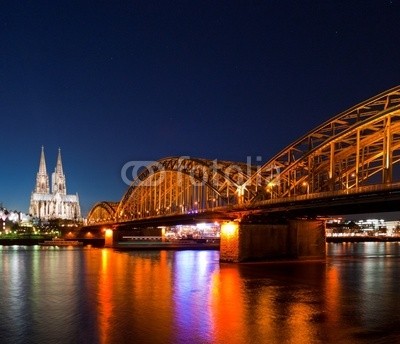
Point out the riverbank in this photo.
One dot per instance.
(340, 239)
(23, 242)
(140, 245)
(126, 246)
(37, 241)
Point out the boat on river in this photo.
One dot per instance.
(61, 242)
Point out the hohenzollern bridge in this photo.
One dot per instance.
(349, 164)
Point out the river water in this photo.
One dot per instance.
(91, 295)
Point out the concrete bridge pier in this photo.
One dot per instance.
(296, 239)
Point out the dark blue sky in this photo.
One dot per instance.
(114, 81)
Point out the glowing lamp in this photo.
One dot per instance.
(228, 229)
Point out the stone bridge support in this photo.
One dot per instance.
(296, 239)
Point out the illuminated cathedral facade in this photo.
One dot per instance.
(54, 203)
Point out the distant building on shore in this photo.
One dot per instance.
(54, 203)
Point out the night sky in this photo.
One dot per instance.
(113, 81)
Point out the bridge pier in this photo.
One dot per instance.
(109, 237)
(296, 239)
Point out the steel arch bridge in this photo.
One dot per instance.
(102, 212)
(180, 185)
(353, 151)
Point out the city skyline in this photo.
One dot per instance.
(115, 83)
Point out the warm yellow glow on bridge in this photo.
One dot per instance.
(108, 236)
(229, 229)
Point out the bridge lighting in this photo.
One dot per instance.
(240, 190)
(270, 187)
(308, 187)
(213, 204)
(108, 236)
(228, 229)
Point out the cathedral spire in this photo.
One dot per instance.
(59, 168)
(42, 164)
(42, 179)
(58, 178)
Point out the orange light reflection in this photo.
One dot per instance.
(227, 306)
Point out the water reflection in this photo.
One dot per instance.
(103, 296)
(192, 273)
(282, 303)
(226, 305)
(33, 305)
(133, 295)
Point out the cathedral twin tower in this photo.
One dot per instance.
(49, 204)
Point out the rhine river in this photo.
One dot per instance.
(91, 295)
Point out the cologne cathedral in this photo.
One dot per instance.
(49, 204)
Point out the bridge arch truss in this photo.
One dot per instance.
(357, 148)
(102, 212)
(182, 185)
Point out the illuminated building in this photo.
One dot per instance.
(49, 204)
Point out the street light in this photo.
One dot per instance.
(308, 187)
(270, 186)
